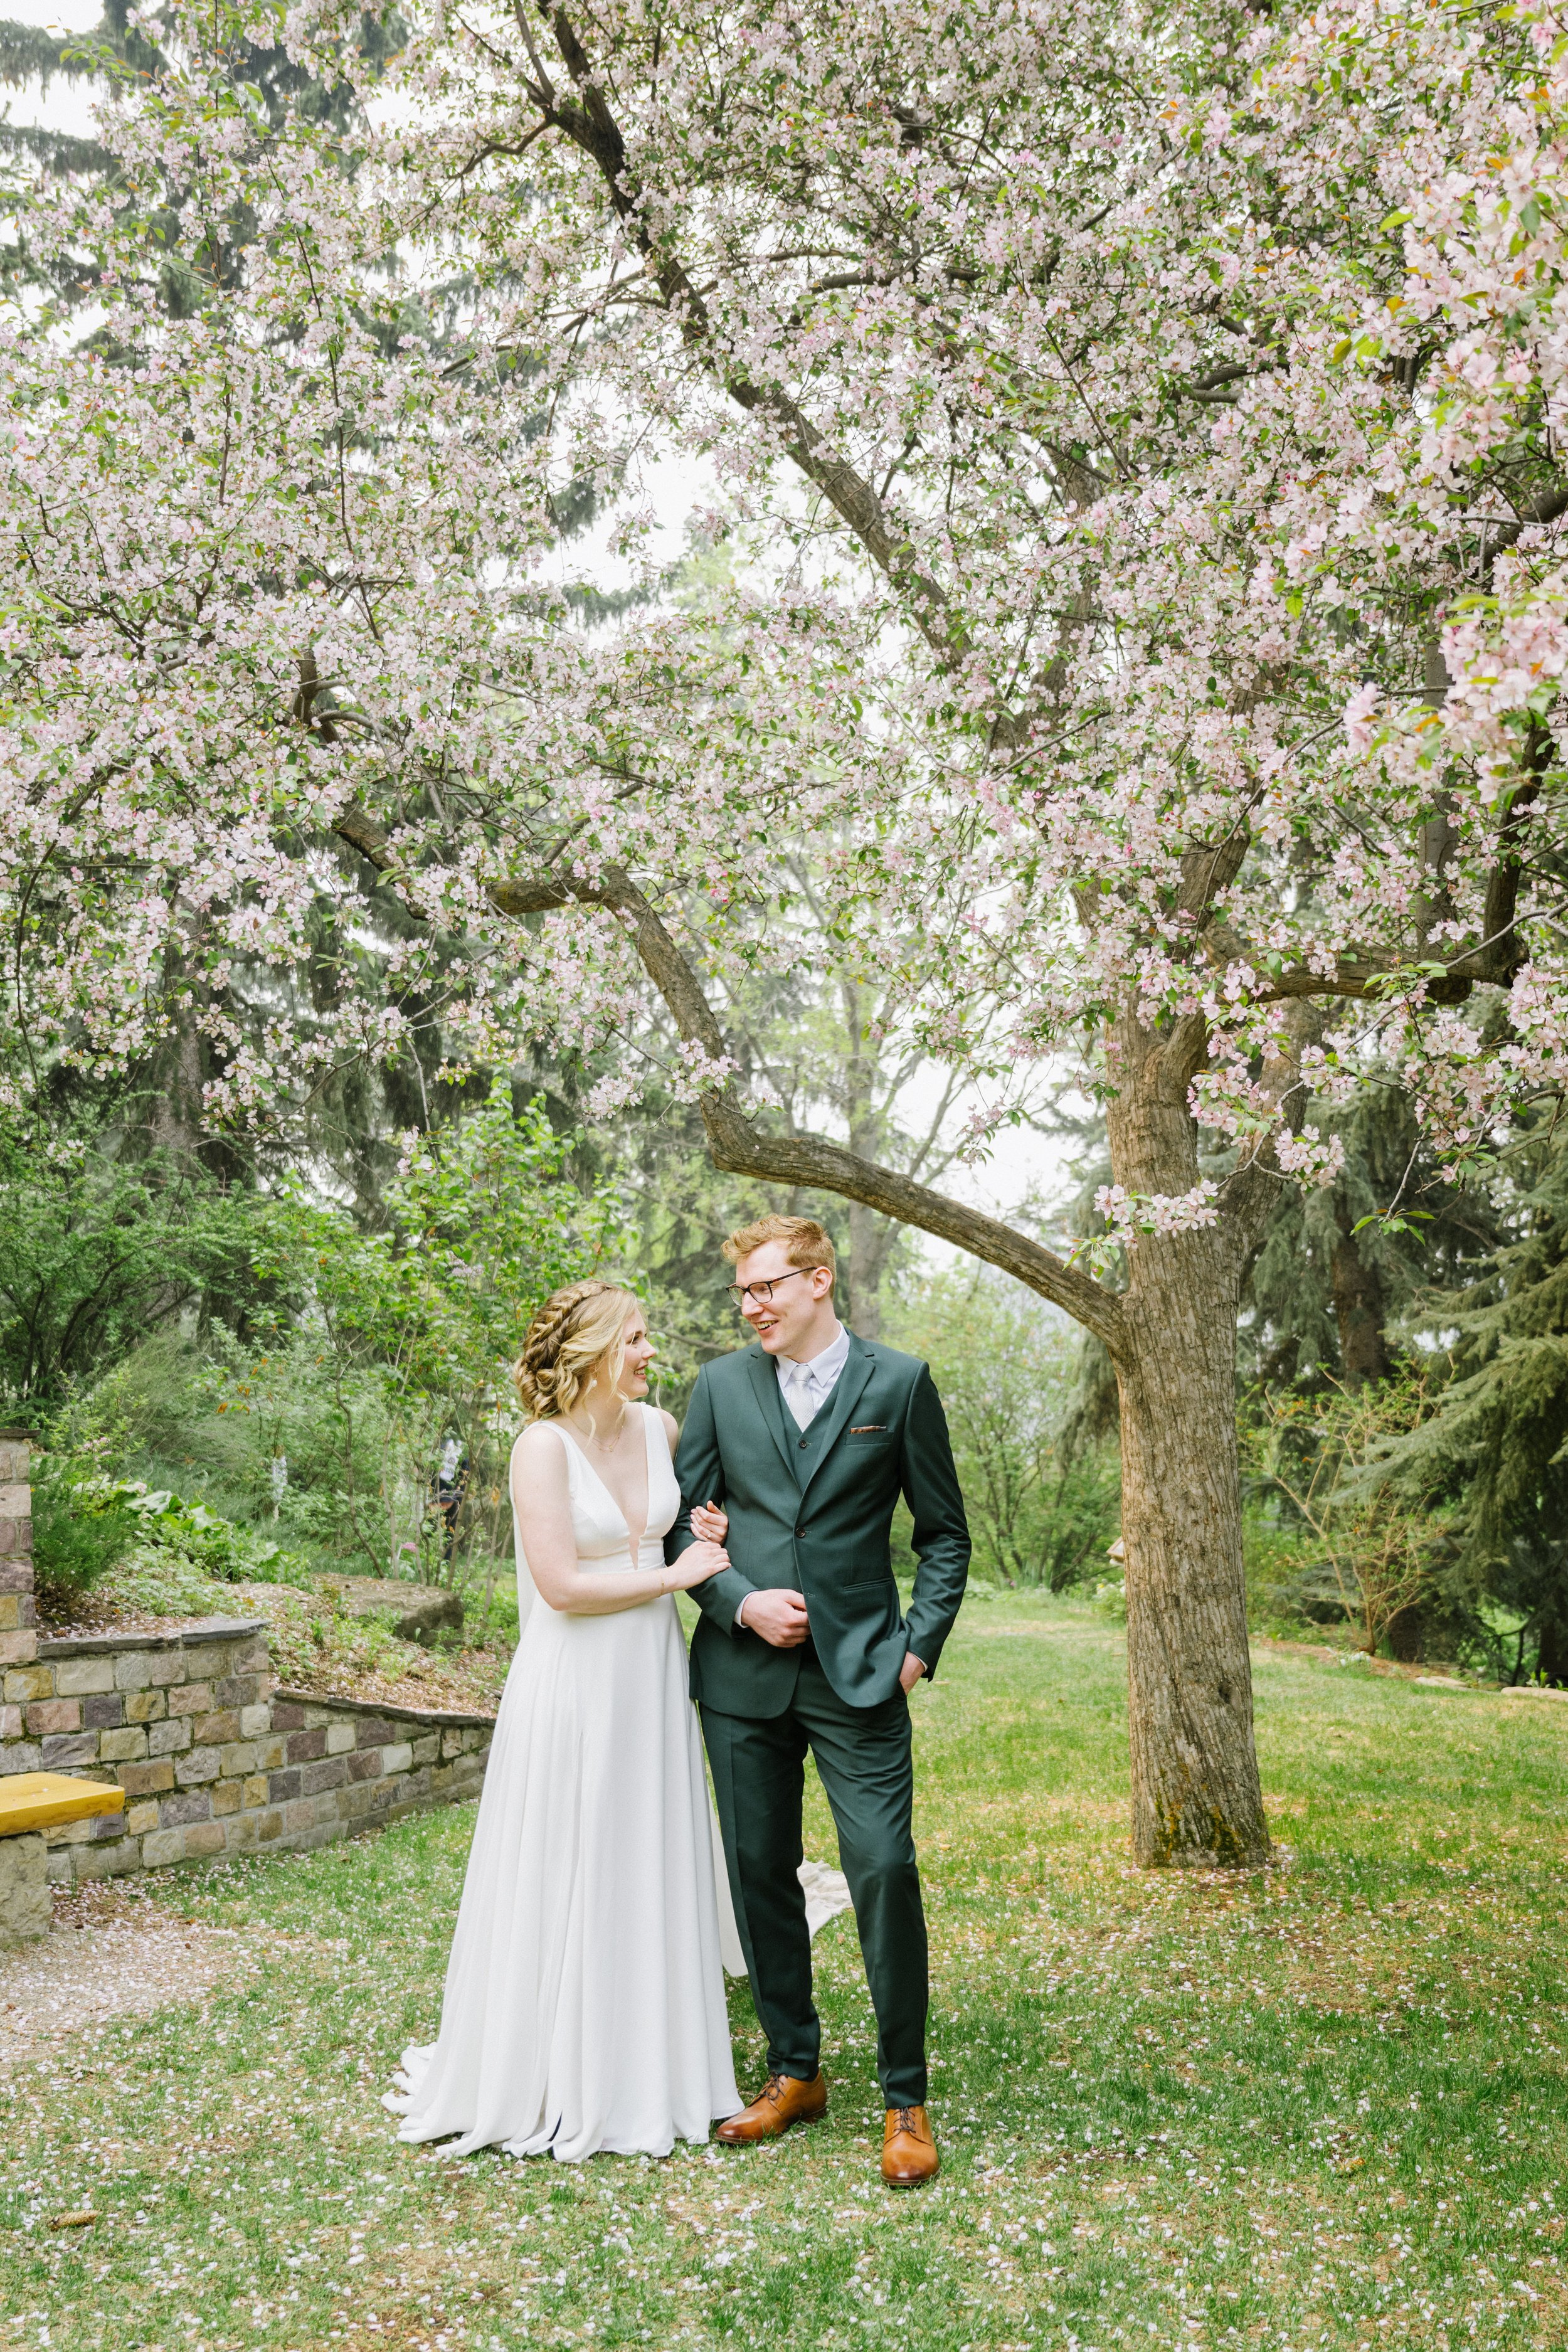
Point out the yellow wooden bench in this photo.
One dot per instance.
(42, 1800)
(31, 1802)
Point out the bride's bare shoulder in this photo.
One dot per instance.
(540, 1447)
(671, 1427)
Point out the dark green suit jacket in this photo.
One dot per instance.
(817, 1518)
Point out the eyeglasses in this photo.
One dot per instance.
(762, 1291)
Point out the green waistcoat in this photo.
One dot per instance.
(813, 1510)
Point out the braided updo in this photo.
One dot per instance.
(567, 1340)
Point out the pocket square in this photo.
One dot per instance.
(869, 1429)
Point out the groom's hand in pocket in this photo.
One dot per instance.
(778, 1616)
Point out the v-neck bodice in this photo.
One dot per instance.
(599, 1526)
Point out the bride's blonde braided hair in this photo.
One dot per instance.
(567, 1340)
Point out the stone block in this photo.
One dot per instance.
(339, 1738)
(239, 1690)
(132, 1671)
(218, 1729)
(190, 1805)
(10, 1722)
(272, 1754)
(11, 1611)
(255, 1722)
(288, 1715)
(200, 1764)
(191, 1698)
(54, 1715)
(241, 1830)
(122, 1747)
(140, 1818)
(330, 1773)
(396, 1759)
(15, 1574)
(208, 1837)
(20, 1755)
(237, 1758)
(255, 1790)
(451, 1745)
(299, 1814)
(105, 1861)
(205, 1659)
(305, 1747)
(365, 1764)
(317, 1717)
(69, 1832)
(104, 1711)
(19, 1648)
(145, 1706)
(15, 1536)
(65, 1748)
(24, 1682)
(75, 1677)
(167, 1738)
(268, 1827)
(227, 1797)
(25, 1902)
(372, 1731)
(281, 1787)
(357, 1801)
(426, 1747)
(59, 1867)
(144, 1780)
(161, 1846)
(166, 1668)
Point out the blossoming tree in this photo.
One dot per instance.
(1143, 432)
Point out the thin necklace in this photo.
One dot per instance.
(606, 1444)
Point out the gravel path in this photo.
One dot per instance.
(110, 1956)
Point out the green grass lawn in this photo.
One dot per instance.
(1322, 2105)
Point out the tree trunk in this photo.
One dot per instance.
(868, 1236)
(864, 1292)
(1359, 1308)
(1196, 1797)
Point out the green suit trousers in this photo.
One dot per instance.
(863, 1757)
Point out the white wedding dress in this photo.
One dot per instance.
(585, 2001)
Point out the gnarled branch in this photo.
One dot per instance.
(738, 1147)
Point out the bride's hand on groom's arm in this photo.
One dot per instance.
(696, 1564)
(708, 1523)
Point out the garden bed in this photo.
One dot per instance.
(318, 1646)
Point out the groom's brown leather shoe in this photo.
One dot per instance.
(781, 2101)
(908, 2151)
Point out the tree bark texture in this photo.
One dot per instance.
(1196, 1796)
(1359, 1310)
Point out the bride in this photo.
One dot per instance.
(584, 2003)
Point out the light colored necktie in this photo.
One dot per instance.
(798, 1394)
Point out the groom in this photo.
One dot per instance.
(807, 1440)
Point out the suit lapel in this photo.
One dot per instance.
(845, 1396)
(770, 1404)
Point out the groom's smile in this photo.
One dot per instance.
(789, 1308)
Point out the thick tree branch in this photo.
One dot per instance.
(740, 1149)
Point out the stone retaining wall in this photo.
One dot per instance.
(213, 1757)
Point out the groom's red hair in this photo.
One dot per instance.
(806, 1243)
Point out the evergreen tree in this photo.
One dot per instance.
(1340, 1267)
(1499, 1439)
